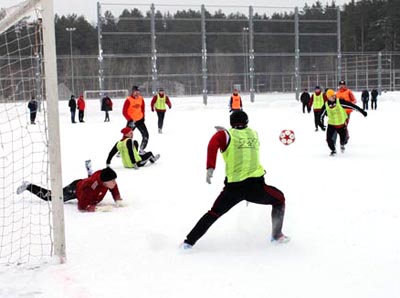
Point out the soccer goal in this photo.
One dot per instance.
(98, 94)
(31, 230)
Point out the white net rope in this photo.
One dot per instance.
(25, 220)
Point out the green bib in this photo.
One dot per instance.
(242, 155)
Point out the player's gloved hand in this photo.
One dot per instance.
(120, 203)
(365, 113)
(105, 208)
(131, 124)
(219, 128)
(210, 172)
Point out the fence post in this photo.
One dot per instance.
(380, 73)
(251, 54)
(296, 53)
(204, 53)
(154, 76)
(100, 57)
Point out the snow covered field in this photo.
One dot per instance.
(342, 213)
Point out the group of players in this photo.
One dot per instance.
(244, 174)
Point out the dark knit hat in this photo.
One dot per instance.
(161, 89)
(317, 87)
(135, 88)
(107, 174)
(126, 130)
(342, 82)
(239, 119)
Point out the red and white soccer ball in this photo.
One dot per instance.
(287, 137)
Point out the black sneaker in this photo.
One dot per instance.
(342, 148)
(333, 153)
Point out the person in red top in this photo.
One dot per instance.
(134, 111)
(347, 95)
(235, 102)
(159, 103)
(81, 108)
(89, 191)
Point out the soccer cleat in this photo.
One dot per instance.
(184, 246)
(88, 165)
(155, 158)
(159, 130)
(22, 187)
(280, 240)
(333, 153)
(342, 148)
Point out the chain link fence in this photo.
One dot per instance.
(208, 50)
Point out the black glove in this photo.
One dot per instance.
(365, 113)
(131, 124)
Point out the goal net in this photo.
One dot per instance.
(99, 94)
(31, 230)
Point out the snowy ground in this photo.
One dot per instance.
(342, 212)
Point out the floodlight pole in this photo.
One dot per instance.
(70, 30)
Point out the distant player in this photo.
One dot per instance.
(334, 108)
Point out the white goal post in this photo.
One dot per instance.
(31, 230)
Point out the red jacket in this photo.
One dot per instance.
(154, 100)
(81, 103)
(91, 191)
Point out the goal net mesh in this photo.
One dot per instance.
(25, 220)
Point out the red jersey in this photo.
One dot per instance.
(91, 191)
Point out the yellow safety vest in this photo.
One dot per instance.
(337, 115)
(242, 155)
(318, 101)
(160, 103)
(126, 159)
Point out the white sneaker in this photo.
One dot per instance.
(185, 246)
(281, 240)
(159, 130)
(155, 158)
(22, 187)
(88, 165)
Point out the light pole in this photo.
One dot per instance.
(70, 30)
(245, 52)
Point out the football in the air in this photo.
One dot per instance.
(287, 137)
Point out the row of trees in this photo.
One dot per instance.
(367, 25)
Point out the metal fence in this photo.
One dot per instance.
(257, 63)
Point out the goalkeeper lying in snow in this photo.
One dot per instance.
(89, 191)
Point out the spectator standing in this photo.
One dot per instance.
(374, 98)
(159, 103)
(235, 102)
(134, 111)
(33, 107)
(81, 108)
(72, 108)
(106, 106)
(305, 100)
(365, 99)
